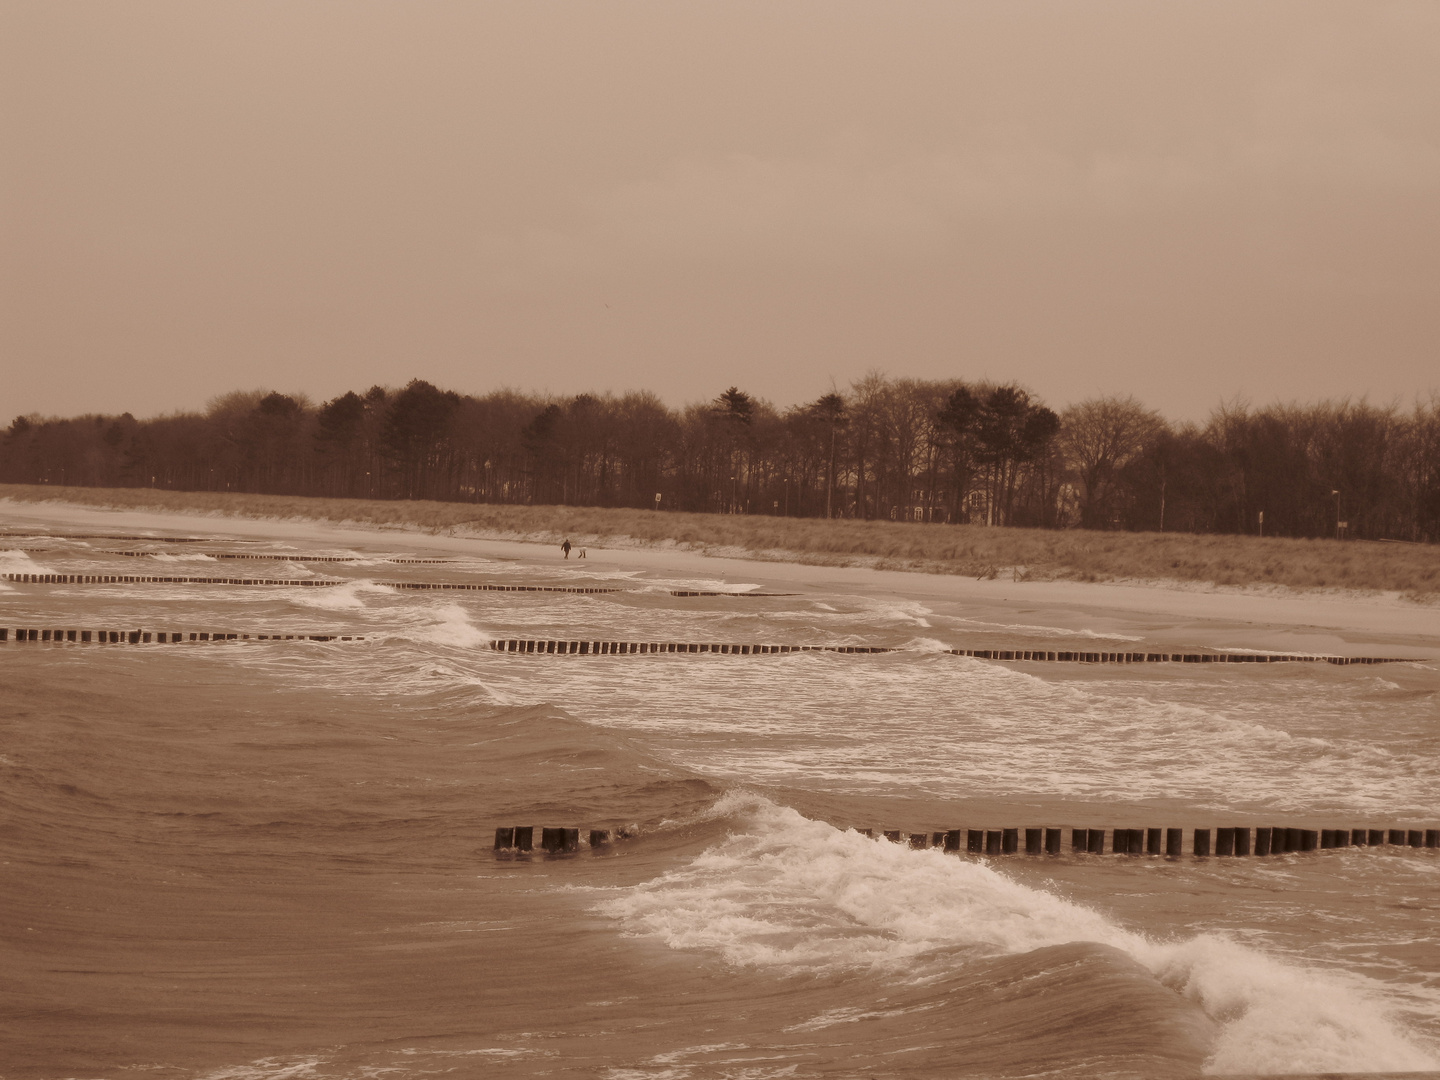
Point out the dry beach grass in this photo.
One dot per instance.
(1411, 570)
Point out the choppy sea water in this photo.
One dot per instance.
(273, 859)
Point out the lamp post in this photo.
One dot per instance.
(787, 495)
(1336, 493)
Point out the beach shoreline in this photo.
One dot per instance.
(1287, 620)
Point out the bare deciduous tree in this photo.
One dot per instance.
(1099, 438)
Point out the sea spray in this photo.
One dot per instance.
(447, 624)
(798, 896)
(352, 596)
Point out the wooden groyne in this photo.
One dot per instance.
(1037, 656)
(469, 587)
(159, 637)
(617, 648)
(141, 539)
(152, 579)
(1232, 841)
(555, 841)
(148, 579)
(278, 556)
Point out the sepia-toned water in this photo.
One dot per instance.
(272, 860)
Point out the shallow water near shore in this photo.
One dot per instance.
(272, 859)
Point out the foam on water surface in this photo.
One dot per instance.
(842, 937)
(786, 893)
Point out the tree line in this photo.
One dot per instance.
(937, 451)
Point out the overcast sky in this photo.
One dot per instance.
(1184, 201)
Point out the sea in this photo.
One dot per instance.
(273, 858)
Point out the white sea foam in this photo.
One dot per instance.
(902, 612)
(352, 596)
(666, 585)
(1045, 631)
(928, 645)
(195, 556)
(267, 1069)
(795, 895)
(1257, 742)
(447, 624)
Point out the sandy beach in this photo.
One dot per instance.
(1282, 620)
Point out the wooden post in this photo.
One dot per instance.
(1095, 843)
(1154, 842)
(1052, 841)
(952, 840)
(599, 837)
(893, 835)
(1242, 840)
(1010, 841)
(1202, 842)
(1432, 838)
(1262, 841)
(919, 840)
(1397, 836)
(1079, 840)
(1415, 838)
(1309, 839)
(1293, 840)
(1376, 838)
(1224, 841)
(975, 841)
(1034, 841)
(504, 838)
(524, 838)
(1174, 843)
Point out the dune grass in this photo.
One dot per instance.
(1412, 570)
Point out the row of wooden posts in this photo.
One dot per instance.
(257, 556)
(463, 586)
(599, 648)
(1049, 841)
(277, 556)
(113, 536)
(1271, 840)
(143, 579)
(146, 579)
(144, 637)
(555, 841)
(617, 647)
(607, 648)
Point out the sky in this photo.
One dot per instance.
(1187, 202)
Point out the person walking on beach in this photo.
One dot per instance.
(565, 547)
